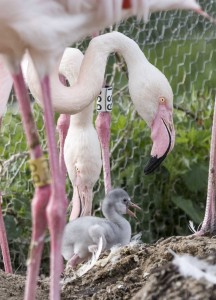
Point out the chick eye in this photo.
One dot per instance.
(125, 200)
(162, 100)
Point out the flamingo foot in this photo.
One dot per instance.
(208, 228)
(103, 122)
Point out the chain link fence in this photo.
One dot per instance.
(183, 46)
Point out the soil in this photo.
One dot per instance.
(135, 272)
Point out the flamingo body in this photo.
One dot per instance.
(82, 153)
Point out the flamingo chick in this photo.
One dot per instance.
(82, 153)
(83, 234)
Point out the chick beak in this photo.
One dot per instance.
(129, 212)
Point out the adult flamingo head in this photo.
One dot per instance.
(153, 99)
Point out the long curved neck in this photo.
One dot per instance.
(74, 99)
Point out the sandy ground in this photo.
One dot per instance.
(136, 272)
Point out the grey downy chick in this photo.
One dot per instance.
(82, 235)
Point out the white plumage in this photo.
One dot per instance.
(190, 266)
(82, 151)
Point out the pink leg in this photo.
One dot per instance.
(63, 124)
(62, 127)
(209, 222)
(56, 209)
(103, 122)
(42, 194)
(4, 243)
(39, 223)
(82, 201)
(3, 237)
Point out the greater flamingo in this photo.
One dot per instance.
(82, 151)
(148, 87)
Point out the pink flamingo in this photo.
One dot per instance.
(152, 101)
(82, 153)
(142, 9)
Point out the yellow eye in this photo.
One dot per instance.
(162, 100)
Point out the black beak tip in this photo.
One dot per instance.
(154, 161)
(153, 164)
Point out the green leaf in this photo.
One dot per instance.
(13, 231)
(196, 178)
(190, 208)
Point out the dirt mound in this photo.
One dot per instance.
(134, 272)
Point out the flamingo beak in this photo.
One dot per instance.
(129, 212)
(163, 137)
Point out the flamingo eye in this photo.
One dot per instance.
(162, 100)
(125, 200)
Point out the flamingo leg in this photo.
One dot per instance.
(103, 122)
(42, 193)
(82, 201)
(56, 209)
(6, 85)
(209, 222)
(4, 243)
(62, 127)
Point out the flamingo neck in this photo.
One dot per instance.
(83, 118)
(75, 98)
(115, 217)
